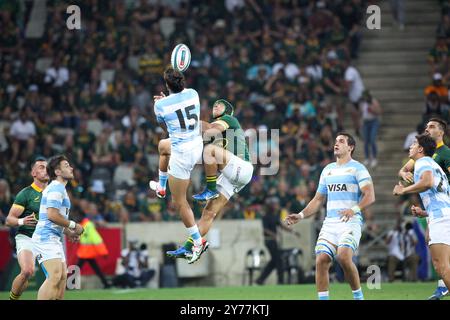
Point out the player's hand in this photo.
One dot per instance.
(30, 220)
(418, 212)
(398, 190)
(73, 237)
(407, 176)
(346, 214)
(161, 95)
(78, 229)
(291, 219)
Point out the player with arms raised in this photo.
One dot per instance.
(180, 112)
(348, 187)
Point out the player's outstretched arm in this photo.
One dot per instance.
(426, 182)
(312, 208)
(55, 217)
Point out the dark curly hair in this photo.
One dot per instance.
(174, 80)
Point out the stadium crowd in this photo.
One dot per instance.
(89, 94)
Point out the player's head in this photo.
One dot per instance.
(59, 166)
(221, 107)
(174, 80)
(424, 145)
(39, 169)
(436, 128)
(344, 144)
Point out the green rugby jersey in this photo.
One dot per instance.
(29, 199)
(442, 158)
(234, 131)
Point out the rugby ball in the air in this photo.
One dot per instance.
(181, 57)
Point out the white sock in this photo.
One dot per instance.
(323, 295)
(195, 234)
(441, 283)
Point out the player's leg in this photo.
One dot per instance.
(215, 158)
(440, 255)
(439, 244)
(25, 258)
(164, 149)
(179, 188)
(53, 270)
(323, 264)
(325, 251)
(62, 282)
(345, 259)
(350, 234)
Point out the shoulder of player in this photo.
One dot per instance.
(55, 186)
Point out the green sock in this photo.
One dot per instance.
(211, 182)
(13, 296)
(189, 244)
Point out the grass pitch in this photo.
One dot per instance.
(338, 291)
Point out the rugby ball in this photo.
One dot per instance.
(181, 57)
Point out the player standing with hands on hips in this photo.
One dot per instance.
(348, 187)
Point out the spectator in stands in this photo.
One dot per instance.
(438, 56)
(355, 89)
(370, 115)
(438, 87)
(23, 135)
(432, 107)
(398, 12)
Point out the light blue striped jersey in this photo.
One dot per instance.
(181, 114)
(436, 199)
(54, 196)
(342, 186)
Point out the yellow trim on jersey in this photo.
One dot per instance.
(35, 187)
(440, 144)
(18, 206)
(223, 123)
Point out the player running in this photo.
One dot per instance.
(180, 111)
(53, 222)
(431, 183)
(24, 214)
(229, 154)
(348, 187)
(436, 128)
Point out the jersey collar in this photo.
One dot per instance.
(440, 144)
(35, 187)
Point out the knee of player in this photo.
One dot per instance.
(344, 260)
(323, 261)
(164, 146)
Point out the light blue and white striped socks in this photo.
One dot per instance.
(358, 294)
(163, 179)
(324, 295)
(195, 234)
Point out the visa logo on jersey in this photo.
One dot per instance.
(337, 187)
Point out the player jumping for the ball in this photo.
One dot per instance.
(229, 154)
(180, 111)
